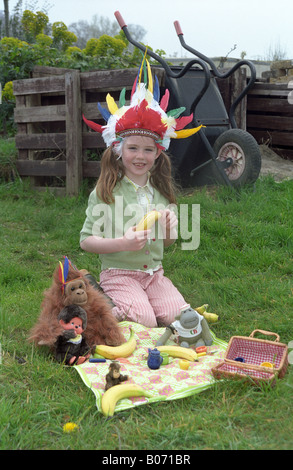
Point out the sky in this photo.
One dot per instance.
(212, 27)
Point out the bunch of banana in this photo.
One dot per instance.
(148, 220)
(178, 351)
(117, 392)
(112, 352)
(210, 317)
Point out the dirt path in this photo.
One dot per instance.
(274, 165)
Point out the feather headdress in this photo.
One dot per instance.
(146, 115)
(63, 272)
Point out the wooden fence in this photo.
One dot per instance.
(52, 140)
(269, 117)
(55, 146)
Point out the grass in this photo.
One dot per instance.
(8, 156)
(243, 268)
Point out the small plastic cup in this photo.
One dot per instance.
(165, 357)
(184, 364)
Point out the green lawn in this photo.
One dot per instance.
(243, 269)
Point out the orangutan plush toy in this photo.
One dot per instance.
(71, 287)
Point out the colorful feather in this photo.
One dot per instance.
(176, 112)
(122, 98)
(104, 112)
(187, 132)
(150, 77)
(60, 273)
(134, 86)
(72, 265)
(93, 125)
(112, 106)
(165, 100)
(65, 268)
(141, 66)
(156, 89)
(137, 78)
(183, 121)
(145, 75)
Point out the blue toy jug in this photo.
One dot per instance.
(154, 359)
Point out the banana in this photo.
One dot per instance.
(178, 351)
(112, 352)
(202, 309)
(210, 317)
(148, 220)
(117, 392)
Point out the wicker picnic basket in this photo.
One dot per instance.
(254, 359)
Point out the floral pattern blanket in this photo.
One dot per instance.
(169, 382)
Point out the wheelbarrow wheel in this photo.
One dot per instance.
(239, 146)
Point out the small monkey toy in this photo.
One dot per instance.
(71, 347)
(114, 376)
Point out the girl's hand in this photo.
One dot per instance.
(133, 240)
(169, 223)
(168, 220)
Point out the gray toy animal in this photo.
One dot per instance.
(191, 327)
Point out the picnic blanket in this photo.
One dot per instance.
(169, 382)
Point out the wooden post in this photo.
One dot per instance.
(230, 88)
(31, 101)
(238, 83)
(73, 133)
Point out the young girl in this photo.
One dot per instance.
(135, 177)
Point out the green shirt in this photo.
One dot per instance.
(113, 220)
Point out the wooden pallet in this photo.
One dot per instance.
(52, 140)
(270, 117)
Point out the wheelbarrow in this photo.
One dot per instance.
(219, 152)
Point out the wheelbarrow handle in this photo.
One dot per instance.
(158, 58)
(123, 26)
(218, 74)
(169, 72)
(178, 28)
(120, 19)
(143, 48)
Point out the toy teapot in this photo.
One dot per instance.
(154, 359)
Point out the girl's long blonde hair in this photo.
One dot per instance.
(112, 172)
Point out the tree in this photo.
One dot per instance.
(104, 45)
(100, 25)
(16, 16)
(6, 13)
(276, 52)
(33, 24)
(62, 38)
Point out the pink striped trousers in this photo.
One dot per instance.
(149, 299)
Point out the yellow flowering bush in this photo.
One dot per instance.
(7, 92)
